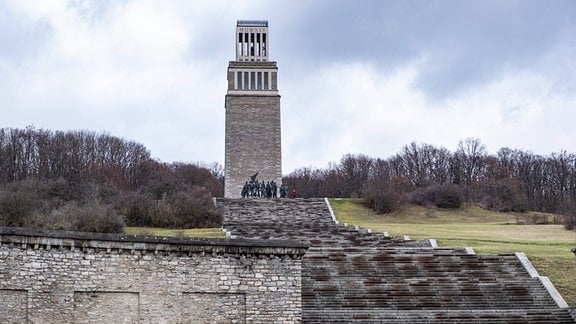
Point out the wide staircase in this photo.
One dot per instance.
(354, 275)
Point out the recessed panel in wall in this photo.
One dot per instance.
(13, 306)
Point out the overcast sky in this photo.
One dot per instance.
(355, 76)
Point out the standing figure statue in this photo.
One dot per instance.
(257, 191)
(274, 189)
(244, 193)
(252, 188)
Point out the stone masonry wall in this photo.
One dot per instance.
(253, 141)
(58, 277)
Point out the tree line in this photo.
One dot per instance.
(81, 180)
(510, 180)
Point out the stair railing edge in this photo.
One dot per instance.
(545, 281)
(331, 211)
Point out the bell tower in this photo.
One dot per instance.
(252, 139)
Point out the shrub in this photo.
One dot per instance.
(442, 196)
(90, 217)
(383, 202)
(186, 208)
(420, 196)
(447, 196)
(195, 209)
(61, 188)
(570, 222)
(137, 207)
(19, 203)
(501, 195)
(569, 215)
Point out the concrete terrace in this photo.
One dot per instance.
(354, 275)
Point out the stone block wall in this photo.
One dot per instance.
(50, 277)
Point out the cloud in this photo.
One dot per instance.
(355, 77)
(357, 110)
(125, 72)
(462, 43)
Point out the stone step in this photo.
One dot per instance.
(352, 275)
(330, 315)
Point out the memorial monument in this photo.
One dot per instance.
(252, 139)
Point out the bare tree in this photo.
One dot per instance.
(355, 170)
(422, 164)
(468, 161)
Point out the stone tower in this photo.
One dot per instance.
(252, 111)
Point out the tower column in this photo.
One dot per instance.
(253, 128)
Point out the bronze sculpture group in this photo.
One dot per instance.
(256, 189)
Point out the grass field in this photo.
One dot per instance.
(547, 246)
(194, 232)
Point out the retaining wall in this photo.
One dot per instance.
(49, 277)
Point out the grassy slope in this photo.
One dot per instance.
(194, 232)
(547, 246)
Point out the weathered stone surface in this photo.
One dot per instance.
(14, 305)
(51, 277)
(353, 275)
(253, 141)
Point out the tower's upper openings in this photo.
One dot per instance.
(252, 40)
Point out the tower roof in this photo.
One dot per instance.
(252, 23)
